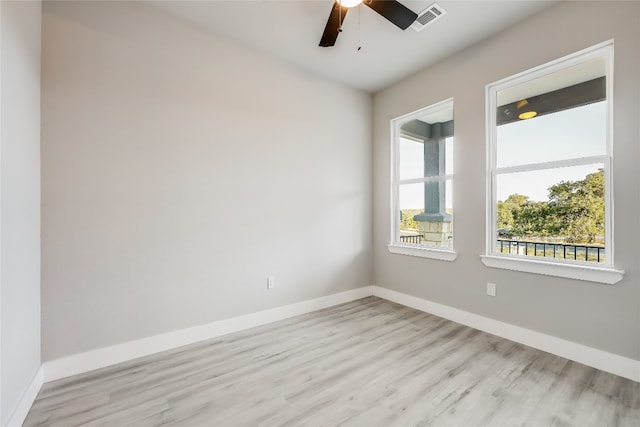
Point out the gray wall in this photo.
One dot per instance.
(179, 170)
(20, 201)
(601, 316)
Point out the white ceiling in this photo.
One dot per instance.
(290, 30)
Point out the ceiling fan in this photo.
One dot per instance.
(393, 11)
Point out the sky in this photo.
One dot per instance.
(573, 133)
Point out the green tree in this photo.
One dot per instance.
(515, 202)
(531, 219)
(575, 210)
(578, 208)
(509, 212)
(505, 217)
(406, 219)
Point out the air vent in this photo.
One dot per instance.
(428, 16)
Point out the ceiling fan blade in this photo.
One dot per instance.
(332, 29)
(394, 11)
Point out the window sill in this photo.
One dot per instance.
(442, 255)
(588, 273)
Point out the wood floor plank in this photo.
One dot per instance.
(365, 363)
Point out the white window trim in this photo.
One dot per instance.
(439, 254)
(545, 267)
(394, 246)
(601, 273)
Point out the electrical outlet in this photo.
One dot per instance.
(271, 282)
(492, 289)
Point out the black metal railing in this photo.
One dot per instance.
(411, 239)
(577, 252)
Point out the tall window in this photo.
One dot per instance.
(549, 163)
(422, 182)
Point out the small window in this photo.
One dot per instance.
(422, 182)
(549, 165)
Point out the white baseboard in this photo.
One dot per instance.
(599, 359)
(107, 356)
(24, 405)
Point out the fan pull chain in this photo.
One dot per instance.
(359, 31)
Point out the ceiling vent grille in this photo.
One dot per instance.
(428, 16)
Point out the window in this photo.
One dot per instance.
(422, 183)
(549, 165)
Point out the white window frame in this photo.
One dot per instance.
(395, 246)
(580, 270)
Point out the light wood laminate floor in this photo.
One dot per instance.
(365, 363)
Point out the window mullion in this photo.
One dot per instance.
(581, 161)
(435, 178)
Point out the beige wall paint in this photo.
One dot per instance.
(601, 316)
(20, 201)
(180, 170)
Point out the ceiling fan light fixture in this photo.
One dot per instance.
(392, 10)
(349, 3)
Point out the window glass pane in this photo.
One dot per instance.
(448, 156)
(426, 214)
(411, 158)
(564, 206)
(439, 157)
(573, 133)
(411, 197)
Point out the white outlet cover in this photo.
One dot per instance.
(491, 289)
